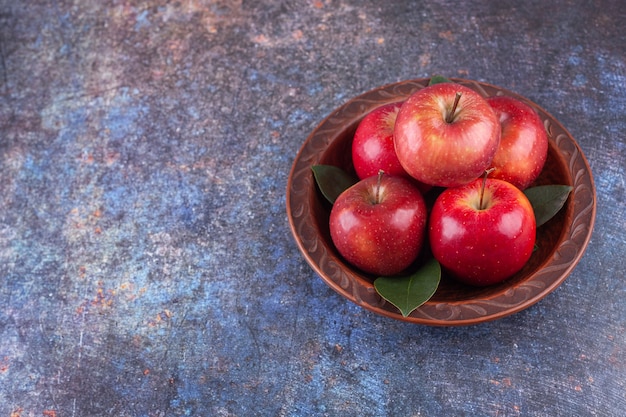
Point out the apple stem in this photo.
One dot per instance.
(482, 188)
(450, 116)
(380, 179)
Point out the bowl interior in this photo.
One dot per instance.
(450, 290)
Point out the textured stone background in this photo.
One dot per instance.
(146, 263)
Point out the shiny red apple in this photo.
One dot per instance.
(379, 224)
(372, 146)
(524, 142)
(446, 135)
(482, 238)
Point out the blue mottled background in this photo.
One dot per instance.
(146, 263)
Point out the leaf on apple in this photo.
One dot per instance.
(332, 181)
(409, 292)
(547, 200)
(436, 79)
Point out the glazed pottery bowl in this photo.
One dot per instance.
(561, 242)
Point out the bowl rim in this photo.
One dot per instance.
(581, 209)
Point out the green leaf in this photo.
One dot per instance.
(436, 79)
(547, 200)
(332, 180)
(409, 292)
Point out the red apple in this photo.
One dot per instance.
(446, 135)
(524, 142)
(379, 224)
(372, 146)
(482, 238)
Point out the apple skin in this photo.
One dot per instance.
(384, 236)
(482, 247)
(373, 148)
(523, 145)
(441, 153)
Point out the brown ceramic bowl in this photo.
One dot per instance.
(561, 241)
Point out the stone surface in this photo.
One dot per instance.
(146, 263)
